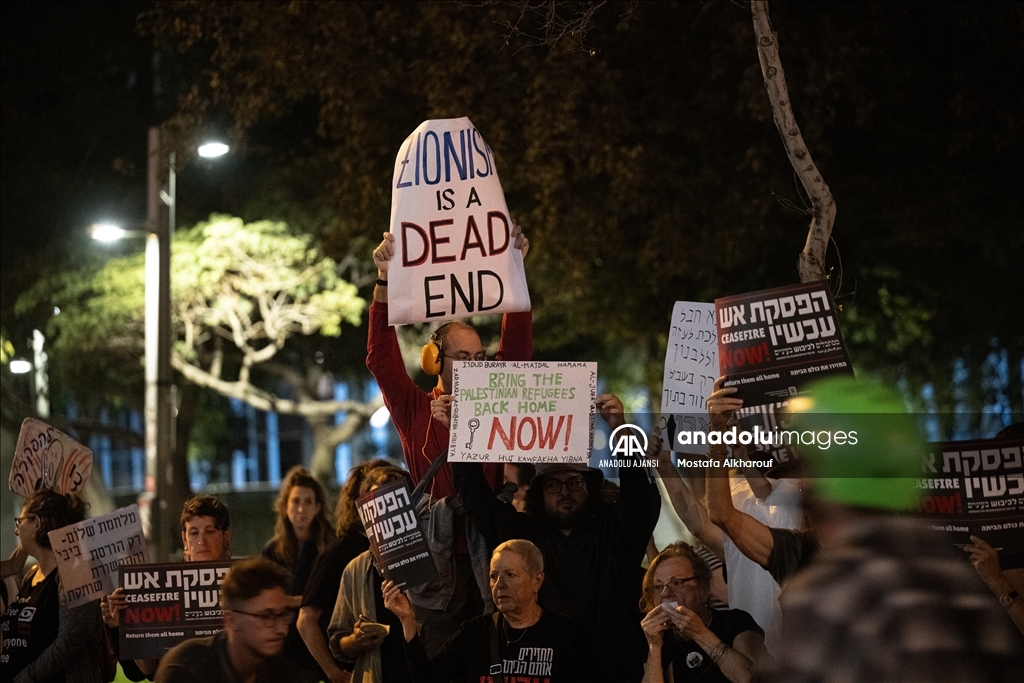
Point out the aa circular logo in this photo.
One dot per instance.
(628, 440)
(694, 660)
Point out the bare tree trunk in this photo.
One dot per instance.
(811, 263)
(327, 436)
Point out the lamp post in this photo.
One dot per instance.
(159, 408)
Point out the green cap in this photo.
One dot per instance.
(866, 451)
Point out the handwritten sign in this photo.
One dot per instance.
(522, 411)
(396, 537)
(47, 458)
(773, 342)
(90, 553)
(454, 255)
(691, 367)
(977, 487)
(167, 604)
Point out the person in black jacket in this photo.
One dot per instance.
(592, 550)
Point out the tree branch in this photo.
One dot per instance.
(262, 400)
(811, 263)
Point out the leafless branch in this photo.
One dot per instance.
(811, 263)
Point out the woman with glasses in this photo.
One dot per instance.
(687, 639)
(43, 639)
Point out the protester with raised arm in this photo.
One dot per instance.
(423, 439)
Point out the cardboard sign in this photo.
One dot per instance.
(47, 458)
(167, 604)
(691, 367)
(532, 411)
(977, 487)
(454, 255)
(773, 342)
(396, 536)
(90, 553)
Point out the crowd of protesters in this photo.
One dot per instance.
(545, 575)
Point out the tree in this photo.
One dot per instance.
(242, 294)
(646, 166)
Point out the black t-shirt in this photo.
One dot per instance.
(550, 651)
(325, 579)
(295, 648)
(791, 551)
(29, 625)
(690, 662)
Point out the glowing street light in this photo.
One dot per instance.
(19, 366)
(211, 150)
(159, 414)
(106, 232)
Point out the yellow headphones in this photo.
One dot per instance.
(431, 356)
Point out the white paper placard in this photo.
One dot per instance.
(691, 367)
(533, 411)
(90, 553)
(454, 255)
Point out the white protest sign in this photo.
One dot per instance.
(90, 553)
(691, 367)
(453, 249)
(532, 411)
(47, 458)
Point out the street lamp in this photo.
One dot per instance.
(19, 366)
(159, 416)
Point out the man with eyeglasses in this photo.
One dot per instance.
(592, 549)
(257, 613)
(423, 439)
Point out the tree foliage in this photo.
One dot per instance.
(646, 168)
(241, 294)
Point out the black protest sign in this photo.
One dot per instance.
(396, 536)
(977, 487)
(167, 604)
(773, 342)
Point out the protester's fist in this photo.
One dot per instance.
(519, 240)
(686, 622)
(441, 409)
(654, 625)
(610, 408)
(111, 606)
(985, 559)
(397, 601)
(383, 253)
(721, 404)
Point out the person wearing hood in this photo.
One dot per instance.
(592, 550)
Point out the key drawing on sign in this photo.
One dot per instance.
(474, 424)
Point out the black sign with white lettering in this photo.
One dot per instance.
(396, 536)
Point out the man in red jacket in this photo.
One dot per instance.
(423, 439)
